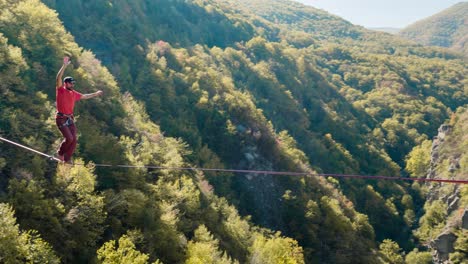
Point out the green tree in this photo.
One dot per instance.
(84, 209)
(433, 221)
(17, 246)
(418, 160)
(204, 248)
(390, 252)
(122, 251)
(417, 257)
(276, 249)
(461, 248)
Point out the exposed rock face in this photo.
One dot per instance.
(435, 155)
(454, 165)
(443, 246)
(262, 189)
(465, 220)
(443, 130)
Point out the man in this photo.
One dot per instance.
(66, 97)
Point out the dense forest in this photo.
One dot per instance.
(252, 85)
(445, 29)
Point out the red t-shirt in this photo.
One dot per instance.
(66, 99)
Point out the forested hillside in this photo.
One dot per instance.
(446, 29)
(215, 84)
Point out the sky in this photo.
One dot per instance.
(382, 13)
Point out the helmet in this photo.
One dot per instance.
(68, 79)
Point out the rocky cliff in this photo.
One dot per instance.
(448, 160)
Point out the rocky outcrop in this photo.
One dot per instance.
(442, 246)
(435, 156)
(465, 219)
(260, 192)
(444, 130)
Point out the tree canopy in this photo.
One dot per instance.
(254, 85)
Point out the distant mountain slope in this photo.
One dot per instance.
(448, 28)
(297, 16)
(387, 29)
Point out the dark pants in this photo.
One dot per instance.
(68, 145)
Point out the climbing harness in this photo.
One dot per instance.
(69, 120)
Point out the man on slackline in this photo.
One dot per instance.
(66, 97)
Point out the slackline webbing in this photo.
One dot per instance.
(264, 172)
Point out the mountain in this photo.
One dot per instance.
(446, 29)
(217, 84)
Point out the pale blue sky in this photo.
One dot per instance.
(382, 13)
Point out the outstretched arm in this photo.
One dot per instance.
(58, 80)
(91, 95)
